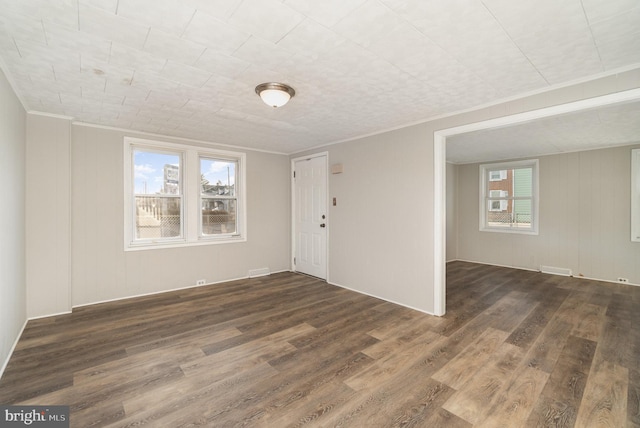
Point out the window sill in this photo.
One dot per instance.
(181, 244)
(505, 230)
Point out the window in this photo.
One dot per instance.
(157, 193)
(218, 196)
(177, 195)
(509, 197)
(497, 204)
(498, 175)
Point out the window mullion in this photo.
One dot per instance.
(191, 194)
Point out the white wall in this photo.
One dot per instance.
(48, 200)
(102, 270)
(13, 305)
(585, 218)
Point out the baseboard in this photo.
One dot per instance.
(152, 293)
(167, 291)
(381, 298)
(13, 348)
(538, 270)
(497, 265)
(48, 316)
(606, 280)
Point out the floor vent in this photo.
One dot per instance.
(555, 270)
(259, 272)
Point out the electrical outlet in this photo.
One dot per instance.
(201, 282)
(623, 280)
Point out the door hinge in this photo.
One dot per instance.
(294, 260)
(294, 174)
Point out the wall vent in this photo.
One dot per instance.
(555, 270)
(259, 272)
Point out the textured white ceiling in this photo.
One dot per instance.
(615, 125)
(189, 68)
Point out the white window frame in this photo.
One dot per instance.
(484, 205)
(191, 210)
(635, 195)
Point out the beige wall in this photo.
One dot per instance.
(48, 218)
(102, 270)
(13, 304)
(585, 218)
(75, 223)
(452, 212)
(379, 236)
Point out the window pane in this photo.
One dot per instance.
(498, 175)
(522, 213)
(156, 173)
(512, 214)
(522, 182)
(218, 216)
(157, 217)
(157, 194)
(218, 177)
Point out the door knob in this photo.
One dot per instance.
(322, 225)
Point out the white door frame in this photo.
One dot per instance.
(440, 178)
(293, 208)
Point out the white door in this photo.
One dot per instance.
(310, 212)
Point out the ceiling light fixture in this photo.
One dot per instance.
(275, 94)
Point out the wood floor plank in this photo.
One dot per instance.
(314, 398)
(474, 400)
(410, 324)
(529, 329)
(604, 402)
(197, 398)
(560, 399)
(387, 366)
(516, 348)
(388, 403)
(516, 402)
(591, 321)
(633, 399)
(246, 355)
(612, 344)
(546, 349)
(464, 366)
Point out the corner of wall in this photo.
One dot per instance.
(12, 254)
(48, 215)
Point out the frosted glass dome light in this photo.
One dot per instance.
(275, 94)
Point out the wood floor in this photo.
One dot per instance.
(515, 349)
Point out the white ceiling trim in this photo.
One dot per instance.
(53, 115)
(168, 137)
(586, 104)
(482, 106)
